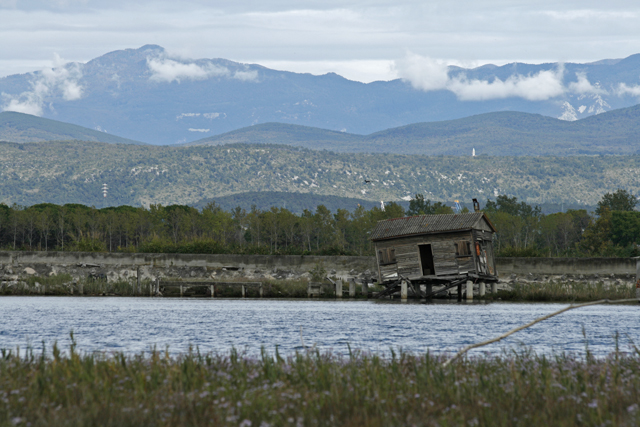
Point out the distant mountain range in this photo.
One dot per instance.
(19, 127)
(146, 95)
(495, 134)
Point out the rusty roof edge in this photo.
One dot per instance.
(486, 218)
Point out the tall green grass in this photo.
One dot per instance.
(565, 291)
(315, 389)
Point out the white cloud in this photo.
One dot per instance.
(583, 86)
(168, 70)
(209, 116)
(198, 130)
(539, 87)
(623, 89)
(422, 72)
(183, 115)
(246, 76)
(61, 80)
(428, 74)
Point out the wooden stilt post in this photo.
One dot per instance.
(181, 290)
(243, 291)
(138, 289)
(482, 290)
(212, 288)
(469, 290)
(429, 289)
(460, 291)
(352, 288)
(365, 289)
(638, 278)
(403, 290)
(339, 288)
(261, 290)
(494, 288)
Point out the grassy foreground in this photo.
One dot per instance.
(312, 389)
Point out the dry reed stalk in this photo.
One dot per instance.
(519, 328)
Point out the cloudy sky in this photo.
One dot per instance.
(362, 40)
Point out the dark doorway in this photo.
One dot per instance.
(426, 259)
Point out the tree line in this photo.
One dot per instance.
(612, 230)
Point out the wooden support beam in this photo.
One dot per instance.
(403, 290)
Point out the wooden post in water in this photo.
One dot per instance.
(261, 290)
(352, 288)
(403, 290)
(429, 289)
(339, 288)
(80, 287)
(494, 288)
(483, 288)
(212, 288)
(243, 291)
(469, 290)
(138, 289)
(365, 288)
(181, 291)
(638, 278)
(459, 291)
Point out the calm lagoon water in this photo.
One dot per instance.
(134, 325)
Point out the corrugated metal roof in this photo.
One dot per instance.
(423, 224)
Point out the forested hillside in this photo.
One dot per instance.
(74, 172)
(522, 229)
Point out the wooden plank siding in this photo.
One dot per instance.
(443, 247)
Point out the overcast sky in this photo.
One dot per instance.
(359, 39)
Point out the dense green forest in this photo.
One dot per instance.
(523, 230)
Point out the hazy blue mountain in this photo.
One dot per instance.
(143, 94)
(496, 134)
(18, 127)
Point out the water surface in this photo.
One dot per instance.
(134, 325)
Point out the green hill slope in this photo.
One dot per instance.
(19, 127)
(494, 134)
(73, 172)
(281, 133)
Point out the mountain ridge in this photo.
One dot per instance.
(20, 127)
(500, 133)
(147, 95)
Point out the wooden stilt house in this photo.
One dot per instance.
(435, 248)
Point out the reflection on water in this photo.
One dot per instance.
(134, 325)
